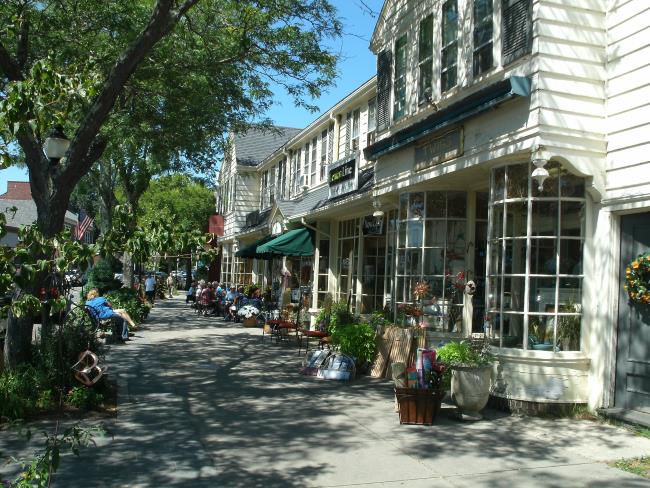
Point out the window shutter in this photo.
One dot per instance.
(517, 29)
(348, 132)
(384, 74)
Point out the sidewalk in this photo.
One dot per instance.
(206, 403)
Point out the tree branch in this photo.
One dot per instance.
(160, 24)
(9, 66)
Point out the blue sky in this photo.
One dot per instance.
(357, 66)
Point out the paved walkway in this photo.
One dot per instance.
(204, 403)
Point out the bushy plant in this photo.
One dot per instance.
(83, 397)
(101, 277)
(340, 315)
(356, 340)
(129, 300)
(463, 354)
(20, 391)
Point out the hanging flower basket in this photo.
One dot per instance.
(637, 279)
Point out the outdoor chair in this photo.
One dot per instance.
(306, 334)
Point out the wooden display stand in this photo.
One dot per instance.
(418, 406)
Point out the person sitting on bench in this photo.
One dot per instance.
(103, 310)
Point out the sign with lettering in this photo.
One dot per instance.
(343, 176)
(373, 226)
(439, 148)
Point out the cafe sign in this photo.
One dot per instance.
(343, 176)
(439, 148)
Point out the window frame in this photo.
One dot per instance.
(486, 47)
(445, 69)
(400, 71)
(425, 60)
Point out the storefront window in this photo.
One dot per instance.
(347, 259)
(226, 264)
(534, 286)
(372, 277)
(323, 262)
(431, 247)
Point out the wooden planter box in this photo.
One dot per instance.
(419, 407)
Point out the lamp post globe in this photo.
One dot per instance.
(56, 145)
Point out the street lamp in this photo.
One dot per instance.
(56, 145)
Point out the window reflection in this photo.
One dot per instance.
(540, 307)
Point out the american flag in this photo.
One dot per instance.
(82, 227)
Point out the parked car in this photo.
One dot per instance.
(75, 278)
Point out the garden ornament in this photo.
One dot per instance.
(87, 370)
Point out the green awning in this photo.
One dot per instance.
(250, 251)
(297, 242)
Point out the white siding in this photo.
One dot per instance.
(628, 106)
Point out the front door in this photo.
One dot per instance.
(633, 347)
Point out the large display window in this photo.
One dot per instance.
(535, 249)
(431, 248)
(347, 259)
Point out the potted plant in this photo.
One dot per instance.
(471, 372)
(248, 314)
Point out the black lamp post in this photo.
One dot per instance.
(56, 145)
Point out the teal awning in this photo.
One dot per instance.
(297, 242)
(251, 251)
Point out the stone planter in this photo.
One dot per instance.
(470, 390)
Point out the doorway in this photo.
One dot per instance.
(633, 336)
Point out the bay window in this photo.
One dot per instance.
(536, 238)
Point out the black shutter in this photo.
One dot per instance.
(384, 79)
(517, 30)
(348, 132)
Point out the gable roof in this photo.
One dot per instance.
(252, 146)
(26, 213)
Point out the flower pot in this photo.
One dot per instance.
(249, 322)
(470, 390)
(419, 407)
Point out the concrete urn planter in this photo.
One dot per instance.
(470, 390)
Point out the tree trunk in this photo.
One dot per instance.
(188, 273)
(18, 341)
(127, 269)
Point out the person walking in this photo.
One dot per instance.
(170, 286)
(150, 288)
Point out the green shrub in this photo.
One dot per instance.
(78, 335)
(340, 315)
(461, 354)
(101, 276)
(20, 391)
(356, 340)
(129, 300)
(83, 397)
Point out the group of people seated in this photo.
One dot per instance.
(219, 299)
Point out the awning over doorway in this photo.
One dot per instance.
(251, 251)
(297, 242)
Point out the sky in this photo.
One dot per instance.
(357, 65)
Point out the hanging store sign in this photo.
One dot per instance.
(439, 148)
(373, 226)
(343, 176)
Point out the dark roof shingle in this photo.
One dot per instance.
(253, 146)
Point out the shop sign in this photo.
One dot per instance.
(373, 226)
(439, 148)
(343, 176)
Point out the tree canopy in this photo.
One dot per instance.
(155, 82)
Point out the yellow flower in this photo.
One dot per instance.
(635, 264)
